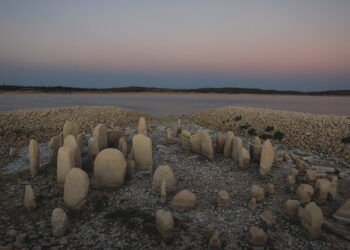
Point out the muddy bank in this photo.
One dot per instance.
(323, 133)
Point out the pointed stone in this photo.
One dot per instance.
(142, 127)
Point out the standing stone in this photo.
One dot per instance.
(243, 158)
(257, 192)
(291, 183)
(305, 192)
(178, 127)
(34, 157)
(291, 208)
(123, 146)
(93, 149)
(65, 162)
(334, 186)
(70, 128)
(165, 223)
(223, 199)
(185, 140)
(206, 145)
(268, 218)
(163, 192)
(237, 146)
(299, 164)
(323, 186)
(59, 222)
(220, 143)
(228, 144)
(164, 173)
(29, 198)
(215, 241)
(343, 213)
(55, 144)
(184, 199)
(310, 175)
(71, 142)
(100, 132)
(252, 204)
(271, 189)
(267, 157)
(294, 172)
(257, 237)
(142, 152)
(312, 220)
(113, 136)
(168, 137)
(76, 188)
(195, 141)
(257, 147)
(109, 168)
(141, 127)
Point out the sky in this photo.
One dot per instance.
(268, 44)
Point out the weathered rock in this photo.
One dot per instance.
(334, 186)
(215, 241)
(291, 183)
(164, 173)
(268, 218)
(142, 152)
(65, 162)
(206, 145)
(257, 192)
(59, 222)
(34, 157)
(256, 152)
(267, 157)
(195, 141)
(76, 188)
(93, 149)
(220, 143)
(185, 140)
(300, 164)
(184, 199)
(310, 175)
(294, 172)
(113, 136)
(291, 208)
(223, 199)
(55, 144)
(228, 144)
(305, 192)
(142, 127)
(100, 132)
(165, 223)
(252, 204)
(312, 220)
(257, 237)
(169, 137)
(71, 142)
(163, 192)
(243, 158)
(323, 186)
(70, 128)
(271, 189)
(13, 152)
(178, 127)
(237, 146)
(29, 198)
(123, 146)
(109, 168)
(343, 213)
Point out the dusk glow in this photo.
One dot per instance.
(265, 44)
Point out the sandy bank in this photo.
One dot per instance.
(318, 132)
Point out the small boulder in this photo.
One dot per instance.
(142, 152)
(291, 183)
(291, 208)
(228, 144)
(109, 168)
(305, 192)
(294, 172)
(195, 141)
(206, 145)
(215, 241)
(300, 165)
(164, 173)
(65, 162)
(76, 188)
(334, 186)
(257, 237)
(237, 146)
(59, 222)
(29, 198)
(257, 192)
(271, 189)
(223, 199)
(310, 175)
(312, 220)
(70, 128)
(252, 204)
(268, 218)
(141, 127)
(165, 223)
(323, 186)
(100, 132)
(220, 143)
(71, 142)
(267, 157)
(34, 157)
(184, 199)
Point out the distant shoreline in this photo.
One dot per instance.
(16, 89)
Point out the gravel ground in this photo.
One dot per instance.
(123, 218)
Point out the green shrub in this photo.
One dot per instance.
(269, 128)
(244, 126)
(238, 117)
(265, 136)
(278, 135)
(346, 140)
(252, 132)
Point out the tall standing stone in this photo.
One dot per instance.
(109, 168)
(34, 157)
(142, 152)
(312, 220)
(93, 149)
(29, 198)
(55, 144)
(164, 173)
(195, 141)
(59, 222)
(237, 146)
(257, 147)
(291, 208)
(71, 142)
(267, 157)
(76, 188)
(113, 136)
(123, 146)
(70, 128)
(65, 162)
(243, 158)
(206, 145)
(220, 143)
(228, 144)
(142, 127)
(100, 132)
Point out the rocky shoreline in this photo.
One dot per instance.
(124, 217)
